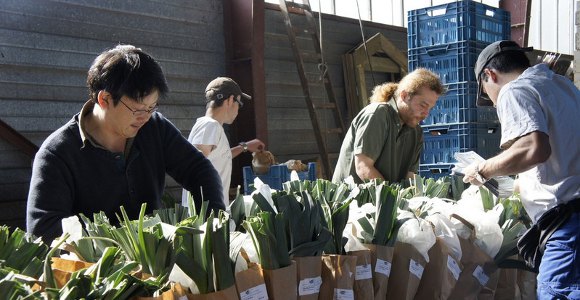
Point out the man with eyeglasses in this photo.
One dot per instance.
(223, 100)
(538, 111)
(116, 151)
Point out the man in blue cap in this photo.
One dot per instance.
(538, 110)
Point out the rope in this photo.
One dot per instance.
(365, 44)
(322, 67)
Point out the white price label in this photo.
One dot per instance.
(255, 293)
(383, 267)
(453, 267)
(363, 272)
(479, 274)
(416, 268)
(342, 294)
(309, 286)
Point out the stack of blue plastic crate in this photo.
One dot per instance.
(447, 39)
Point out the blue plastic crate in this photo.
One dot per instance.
(458, 106)
(452, 62)
(435, 171)
(457, 21)
(276, 176)
(441, 142)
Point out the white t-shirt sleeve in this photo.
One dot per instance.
(204, 133)
(520, 113)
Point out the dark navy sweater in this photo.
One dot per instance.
(69, 178)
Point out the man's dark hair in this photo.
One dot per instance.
(508, 62)
(126, 71)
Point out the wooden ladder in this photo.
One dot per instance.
(313, 108)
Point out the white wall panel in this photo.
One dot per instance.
(399, 15)
(535, 26)
(348, 8)
(552, 25)
(565, 26)
(382, 11)
(410, 5)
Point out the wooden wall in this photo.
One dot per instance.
(290, 132)
(47, 46)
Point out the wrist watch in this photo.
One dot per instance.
(478, 175)
(244, 146)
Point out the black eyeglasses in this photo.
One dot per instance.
(239, 100)
(141, 112)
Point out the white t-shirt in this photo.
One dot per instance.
(207, 131)
(540, 100)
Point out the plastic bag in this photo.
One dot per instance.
(353, 243)
(488, 234)
(418, 233)
(264, 189)
(445, 230)
(500, 186)
(439, 206)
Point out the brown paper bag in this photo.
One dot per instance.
(176, 292)
(382, 259)
(488, 291)
(281, 283)
(309, 276)
(338, 273)
(527, 282)
(363, 279)
(406, 273)
(227, 294)
(478, 271)
(250, 283)
(507, 286)
(69, 265)
(441, 273)
(62, 269)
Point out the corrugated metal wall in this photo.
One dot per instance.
(290, 132)
(46, 48)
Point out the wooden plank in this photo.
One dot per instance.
(15, 223)
(12, 211)
(77, 95)
(18, 140)
(36, 123)
(151, 21)
(197, 38)
(42, 75)
(15, 175)
(182, 10)
(11, 157)
(40, 92)
(296, 141)
(184, 64)
(14, 192)
(45, 109)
